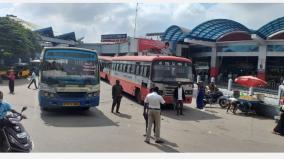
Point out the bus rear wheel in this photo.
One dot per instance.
(138, 96)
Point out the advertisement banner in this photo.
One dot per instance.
(148, 45)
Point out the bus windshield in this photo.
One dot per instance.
(172, 71)
(71, 67)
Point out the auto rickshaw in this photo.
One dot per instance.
(22, 70)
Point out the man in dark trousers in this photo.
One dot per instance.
(33, 80)
(116, 96)
(11, 77)
(179, 97)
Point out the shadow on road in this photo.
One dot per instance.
(167, 146)
(123, 115)
(18, 82)
(190, 114)
(76, 118)
(250, 115)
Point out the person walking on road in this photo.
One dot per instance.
(154, 100)
(33, 80)
(11, 77)
(179, 97)
(200, 96)
(116, 96)
(145, 114)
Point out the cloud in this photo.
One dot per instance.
(92, 20)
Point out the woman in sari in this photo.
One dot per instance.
(200, 95)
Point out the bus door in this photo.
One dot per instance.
(144, 84)
(144, 90)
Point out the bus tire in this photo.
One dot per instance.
(106, 78)
(138, 96)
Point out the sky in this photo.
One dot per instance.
(92, 20)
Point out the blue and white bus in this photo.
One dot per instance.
(69, 77)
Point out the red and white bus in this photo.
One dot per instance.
(137, 74)
(105, 67)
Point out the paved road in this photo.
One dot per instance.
(98, 130)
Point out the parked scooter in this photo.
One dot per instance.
(213, 98)
(16, 139)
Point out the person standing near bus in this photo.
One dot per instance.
(116, 96)
(145, 114)
(11, 77)
(179, 97)
(154, 101)
(200, 95)
(33, 80)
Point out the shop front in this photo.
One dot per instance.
(274, 71)
(232, 67)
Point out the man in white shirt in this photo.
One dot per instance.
(33, 80)
(154, 100)
(179, 97)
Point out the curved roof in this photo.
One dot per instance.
(48, 32)
(174, 33)
(67, 36)
(212, 30)
(271, 28)
(149, 58)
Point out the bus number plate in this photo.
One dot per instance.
(71, 104)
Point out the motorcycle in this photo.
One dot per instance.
(214, 98)
(244, 107)
(16, 138)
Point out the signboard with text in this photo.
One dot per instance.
(114, 38)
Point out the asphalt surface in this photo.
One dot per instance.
(98, 130)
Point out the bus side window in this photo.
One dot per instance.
(141, 70)
(147, 72)
(137, 69)
(119, 67)
(128, 68)
(122, 67)
(132, 69)
(116, 66)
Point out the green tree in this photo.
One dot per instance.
(16, 41)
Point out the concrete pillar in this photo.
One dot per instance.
(230, 82)
(177, 51)
(261, 65)
(214, 70)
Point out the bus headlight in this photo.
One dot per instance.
(48, 94)
(188, 92)
(93, 94)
